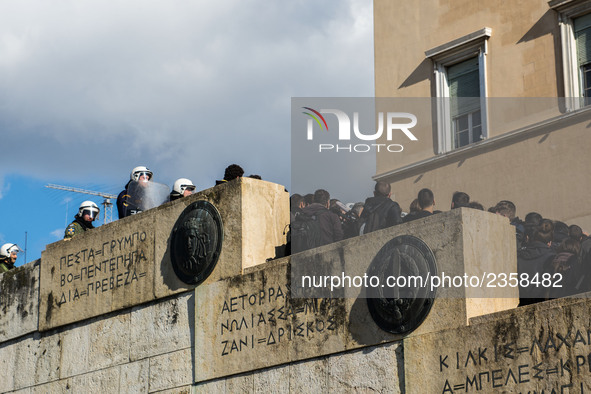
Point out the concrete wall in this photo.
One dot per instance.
(141, 349)
(137, 337)
(175, 343)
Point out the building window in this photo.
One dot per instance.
(460, 84)
(582, 30)
(575, 35)
(464, 96)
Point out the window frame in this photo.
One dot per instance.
(446, 55)
(568, 11)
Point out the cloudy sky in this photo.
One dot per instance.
(90, 89)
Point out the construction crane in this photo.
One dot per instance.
(107, 204)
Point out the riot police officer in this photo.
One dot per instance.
(182, 187)
(125, 205)
(8, 255)
(87, 213)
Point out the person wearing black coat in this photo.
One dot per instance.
(380, 211)
(535, 258)
(329, 223)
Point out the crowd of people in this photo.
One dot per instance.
(545, 248)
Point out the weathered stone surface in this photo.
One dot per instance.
(272, 380)
(97, 272)
(75, 349)
(309, 377)
(172, 319)
(250, 321)
(377, 369)
(26, 390)
(178, 390)
(247, 322)
(265, 217)
(97, 344)
(133, 377)
(47, 357)
(102, 381)
(213, 386)
(539, 348)
(19, 301)
(7, 363)
(171, 370)
(57, 387)
(33, 360)
(240, 384)
(127, 262)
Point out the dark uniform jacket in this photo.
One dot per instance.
(78, 226)
(5, 265)
(380, 212)
(416, 215)
(329, 223)
(533, 259)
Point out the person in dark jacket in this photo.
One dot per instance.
(459, 200)
(182, 187)
(566, 270)
(329, 222)
(534, 259)
(426, 201)
(380, 211)
(8, 256)
(507, 209)
(530, 224)
(231, 172)
(296, 204)
(87, 213)
(125, 204)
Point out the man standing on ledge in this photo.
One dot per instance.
(87, 213)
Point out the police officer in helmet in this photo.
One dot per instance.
(8, 255)
(126, 205)
(182, 187)
(87, 213)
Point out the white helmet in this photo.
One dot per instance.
(139, 171)
(90, 208)
(7, 249)
(182, 184)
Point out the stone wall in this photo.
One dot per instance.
(244, 330)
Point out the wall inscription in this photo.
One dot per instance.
(251, 322)
(526, 354)
(85, 279)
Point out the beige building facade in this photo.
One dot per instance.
(503, 114)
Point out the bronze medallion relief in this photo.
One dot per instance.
(196, 242)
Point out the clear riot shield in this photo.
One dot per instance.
(146, 195)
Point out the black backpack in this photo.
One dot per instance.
(376, 220)
(305, 233)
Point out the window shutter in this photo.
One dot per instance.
(583, 39)
(464, 83)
